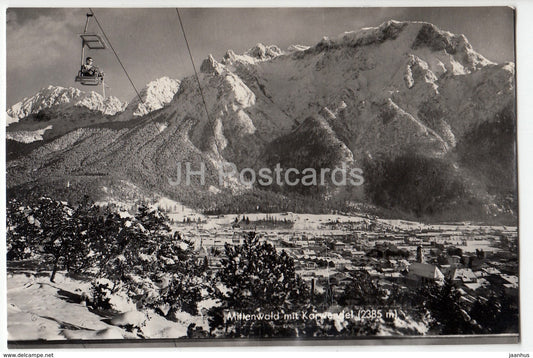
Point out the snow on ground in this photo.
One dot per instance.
(162, 126)
(179, 213)
(406, 325)
(10, 120)
(27, 136)
(470, 246)
(39, 309)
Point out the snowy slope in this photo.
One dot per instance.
(27, 136)
(38, 309)
(10, 120)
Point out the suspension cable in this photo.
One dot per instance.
(193, 66)
(116, 55)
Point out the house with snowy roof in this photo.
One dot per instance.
(463, 275)
(422, 273)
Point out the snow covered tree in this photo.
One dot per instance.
(53, 232)
(498, 314)
(155, 268)
(182, 293)
(85, 224)
(155, 221)
(22, 229)
(109, 236)
(57, 235)
(449, 317)
(257, 276)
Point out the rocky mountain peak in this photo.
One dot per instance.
(62, 98)
(155, 95)
(263, 52)
(211, 66)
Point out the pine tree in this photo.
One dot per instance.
(443, 303)
(155, 221)
(59, 234)
(152, 265)
(258, 277)
(21, 231)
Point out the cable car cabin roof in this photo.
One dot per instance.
(93, 41)
(88, 80)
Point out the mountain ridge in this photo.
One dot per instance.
(54, 96)
(400, 92)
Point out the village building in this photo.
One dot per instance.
(423, 273)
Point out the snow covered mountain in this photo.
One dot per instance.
(401, 100)
(56, 96)
(155, 95)
(54, 111)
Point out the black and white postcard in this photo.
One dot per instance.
(197, 175)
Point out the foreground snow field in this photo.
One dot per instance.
(41, 310)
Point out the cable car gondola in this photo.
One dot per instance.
(93, 42)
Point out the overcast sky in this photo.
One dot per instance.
(43, 47)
